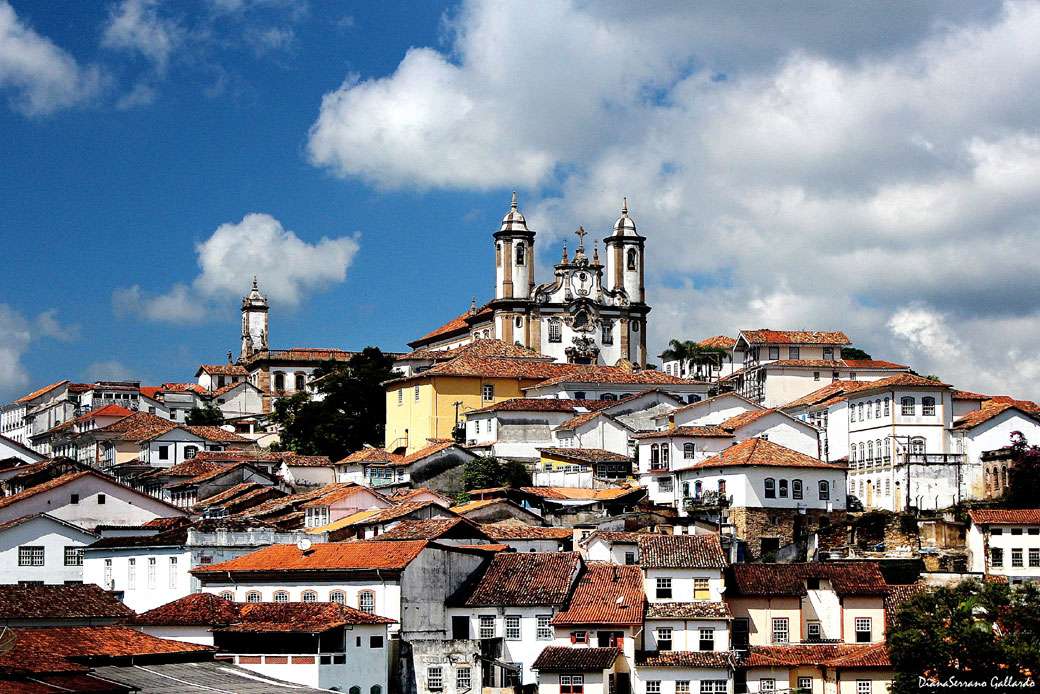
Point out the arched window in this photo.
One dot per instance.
(337, 597)
(917, 445)
(770, 488)
(309, 596)
(376, 689)
(825, 490)
(783, 489)
(907, 406)
(520, 253)
(279, 381)
(228, 595)
(877, 407)
(886, 407)
(632, 259)
(498, 255)
(281, 596)
(190, 452)
(687, 451)
(607, 332)
(796, 489)
(519, 322)
(693, 398)
(697, 487)
(1003, 471)
(888, 449)
(861, 417)
(665, 453)
(722, 487)
(253, 596)
(870, 451)
(655, 455)
(608, 396)
(928, 407)
(555, 330)
(355, 690)
(366, 601)
(877, 448)
(301, 382)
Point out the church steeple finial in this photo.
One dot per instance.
(624, 205)
(473, 305)
(564, 260)
(254, 283)
(513, 205)
(595, 252)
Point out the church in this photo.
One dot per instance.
(593, 310)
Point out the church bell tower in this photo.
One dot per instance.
(514, 256)
(254, 323)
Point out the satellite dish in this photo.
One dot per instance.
(303, 544)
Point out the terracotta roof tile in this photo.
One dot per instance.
(457, 324)
(899, 594)
(580, 494)
(968, 395)
(402, 495)
(795, 337)
(524, 578)
(586, 455)
(323, 556)
(497, 531)
(563, 659)
(60, 602)
(1025, 405)
(718, 342)
(832, 390)
(1005, 516)
(197, 609)
(903, 381)
(527, 368)
(712, 431)
(215, 434)
(848, 578)
(435, 446)
(477, 348)
(686, 659)
(762, 452)
(842, 655)
(988, 411)
(139, 426)
(44, 487)
(475, 504)
(336, 492)
(681, 551)
(864, 364)
(370, 455)
(605, 594)
(613, 374)
(298, 617)
(615, 536)
(433, 529)
(702, 609)
(544, 405)
(376, 516)
(223, 370)
(40, 391)
(745, 418)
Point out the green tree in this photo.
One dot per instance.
(1023, 472)
(854, 353)
(970, 631)
(208, 414)
(689, 352)
(351, 413)
(488, 471)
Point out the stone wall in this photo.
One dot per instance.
(785, 526)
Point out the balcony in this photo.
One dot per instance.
(708, 500)
(934, 458)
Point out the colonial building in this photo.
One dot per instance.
(592, 312)
(1005, 542)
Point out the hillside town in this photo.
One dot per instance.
(543, 506)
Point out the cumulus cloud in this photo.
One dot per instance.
(43, 77)
(137, 27)
(108, 370)
(17, 335)
(288, 268)
(854, 168)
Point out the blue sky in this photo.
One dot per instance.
(859, 169)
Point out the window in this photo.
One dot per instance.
(888, 449)
(796, 489)
(863, 630)
(309, 596)
(107, 580)
(1016, 557)
(917, 445)
(630, 558)
(300, 382)
(687, 451)
(281, 596)
(707, 687)
(101, 499)
(665, 454)
(227, 595)
(374, 641)
(337, 597)
(741, 627)
(706, 639)
(512, 627)
(783, 489)
(825, 490)
(907, 405)
(828, 353)
(664, 638)
(770, 488)
(253, 596)
(664, 589)
(416, 395)
(572, 684)
(607, 330)
(579, 637)
(463, 678)
(774, 352)
(487, 626)
(816, 375)
(544, 631)
(767, 685)
(780, 630)
(631, 264)
(682, 687)
(366, 601)
(73, 556)
(520, 254)
(805, 684)
(131, 573)
(996, 556)
(870, 451)
(30, 555)
(434, 678)
(579, 395)
(812, 631)
(701, 589)
(928, 407)
(862, 686)
(608, 396)
(877, 407)
(164, 452)
(190, 452)
(279, 381)
(152, 568)
(653, 687)
(172, 573)
(488, 391)
(400, 396)
(794, 353)
(555, 330)
(886, 407)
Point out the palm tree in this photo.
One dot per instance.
(688, 352)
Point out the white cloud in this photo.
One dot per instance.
(136, 26)
(17, 335)
(108, 370)
(44, 77)
(287, 267)
(870, 176)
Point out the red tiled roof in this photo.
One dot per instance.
(899, 594)
(197, 609)
(223, 370)
(903, 381)
(215, 434)
(848, 578)
(756, 451)
(968, 395)
(711, 431)
(322, 556)
(581, 494)
(718, 342)
(50, 484)
(298, 617)
(1024, 405)
(544, 405)
(795, 337)
(40, 391)
(370, 455)
(459, 323)
(139, 426)
(615, 536)
(432, 529)
(605, 594)
(578, 420)
(182, 388)
(524, 578)
(840, 655)
(745, 418)
(151, 392)
(988, 411)
(586, 455)
(435, 446)
(614, 374)
(681, 552)
(519, 531)
(830, 391)
(685, 659)
(57, 649)
(864, 364)
(107, 411)
(701, 609)
(1005, 516)
(60, 602)
(336, 492)
(186, 469)
(477, 348)
(402, 495)
(563, 659)
(527, 368)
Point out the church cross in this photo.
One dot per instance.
(580, 233)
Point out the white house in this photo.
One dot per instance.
(988, 429)
(608, 383)
(42, 549)
(727, 361)
(515, 429)
(713, 410)
(11, 449)
(1005, 542)
(613, 547)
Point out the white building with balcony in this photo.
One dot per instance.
(1005, 542)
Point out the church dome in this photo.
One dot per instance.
(624, 226)
(514, 219)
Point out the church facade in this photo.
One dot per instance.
(593, 311)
